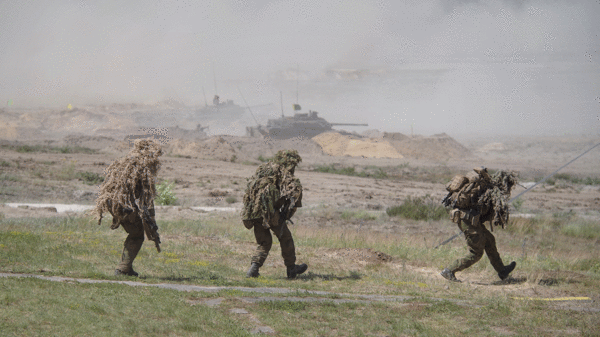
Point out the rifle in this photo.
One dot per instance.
(284, 212)
(150, 226)
(527, 190)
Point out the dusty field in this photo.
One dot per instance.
(207, 170)
(200, 164)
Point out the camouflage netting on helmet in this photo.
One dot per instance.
(129, 183)
(287, 158)
(496, 198)
(271, 182)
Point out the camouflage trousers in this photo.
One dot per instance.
(264, 239)
(132, 224)
(479, 240)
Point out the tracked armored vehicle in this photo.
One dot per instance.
(306, 125)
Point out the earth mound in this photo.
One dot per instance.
(392, 145)
(336, 144)
(436, 147)
(213, 148)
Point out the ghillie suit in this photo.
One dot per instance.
(128, 193)
(271, 198)
(482, 194)
(475, 199)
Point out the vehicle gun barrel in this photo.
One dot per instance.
(350, 124)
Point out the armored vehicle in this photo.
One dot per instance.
(306, 125)
(225, 109)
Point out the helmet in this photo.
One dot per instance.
(146, 147)
(483, 173)
(287, 158)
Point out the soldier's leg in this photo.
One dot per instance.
(288, 252)
(135, 238)
(476, 244)
(264, 241)
(288, 249)
(492, 251)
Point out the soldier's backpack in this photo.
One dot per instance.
(463, 191)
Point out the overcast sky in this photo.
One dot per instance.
(454, 66)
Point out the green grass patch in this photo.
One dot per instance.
(49, 149)
(582, 229)
(35, 307)
(215, 249)
(570, 178)
(9, 177)
(419, 208)
(366, 172)
(359, 215)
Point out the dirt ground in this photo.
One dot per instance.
(201, 164)
(207, 169)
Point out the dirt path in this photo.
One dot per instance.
(315, 296)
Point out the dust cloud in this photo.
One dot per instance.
(460, 67)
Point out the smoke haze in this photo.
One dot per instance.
(460, 67)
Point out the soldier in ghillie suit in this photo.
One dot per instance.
(475, 199)
(271, 198)
(128, 193)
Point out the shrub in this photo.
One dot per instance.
(164, 194)
(367, 172)
(231, 199)
(27, 148)
(420, 208)
(360, 215)
(90, 178)
(263, 159)
(518, 204)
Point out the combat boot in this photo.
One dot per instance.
(253, 271)
(295, 270)
(503, 274)
(449, 275)
(131, 272)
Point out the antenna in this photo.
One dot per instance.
(297, 75)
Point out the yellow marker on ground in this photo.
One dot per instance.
(553, 299)
(70, 107)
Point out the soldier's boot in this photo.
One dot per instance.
(253, 271)
(449, 275)
(295, 270)
(503, 274)
(130, 250)
(131, 272)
